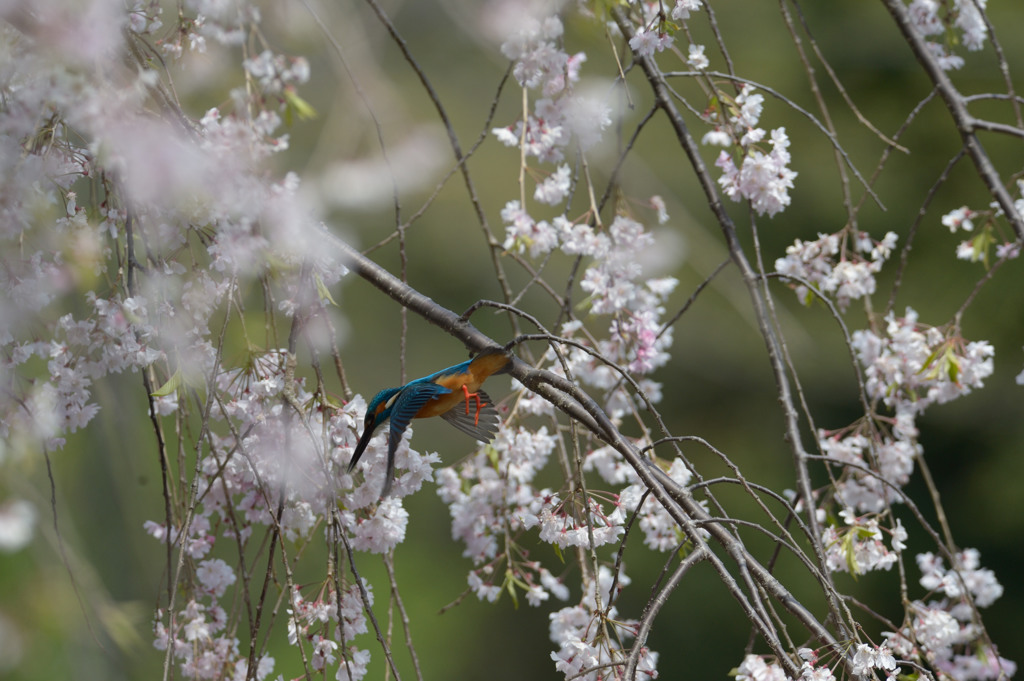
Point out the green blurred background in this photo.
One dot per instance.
(718, 385)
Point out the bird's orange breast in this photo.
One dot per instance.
(443, 403)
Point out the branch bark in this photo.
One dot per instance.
(956, 104)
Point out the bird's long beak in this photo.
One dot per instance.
(363, 441)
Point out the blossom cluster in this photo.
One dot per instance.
(934, 18)
(590, 636)
(638, 340)
(909, 368)
(561, 114)
(859, 547)
(139, 280)
(114, 338)
(979, 247)
(179, 186)
(913, 365)
(223, 23)
(945, 631)
(878, 466)
(566, 523)
(491, 496)
(656, 33)
(271, 458)
(492, 502)
(312, 620)
(637, 336)
(199, 641)
(864, 659)
(661, 533)
(763, 178)
(495, 487)
(842, 264)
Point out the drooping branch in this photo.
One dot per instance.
(956, 104)
(752, 280)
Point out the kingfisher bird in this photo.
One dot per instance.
(440, 394)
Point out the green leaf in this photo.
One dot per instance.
(172, 385)
(850, 553)
(928, 365)
(303, 109)
(511, 588)
(952, 366)
(332, 401)
(323, 291)
(492, 456)
(983, 244)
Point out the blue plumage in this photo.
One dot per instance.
(435, 395)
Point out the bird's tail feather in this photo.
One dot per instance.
(482, 426)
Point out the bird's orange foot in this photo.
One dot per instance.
(479, 406)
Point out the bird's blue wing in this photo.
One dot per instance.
(407, 404)
(410, 401)
(482, 429)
